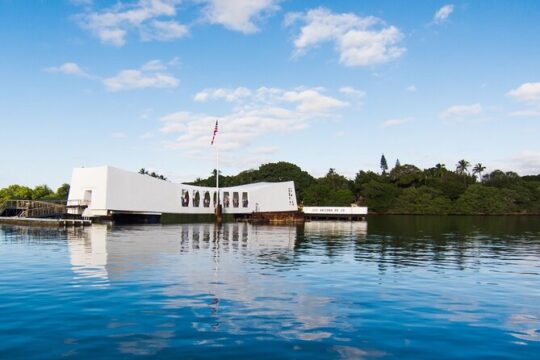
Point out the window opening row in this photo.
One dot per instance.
(196, 199)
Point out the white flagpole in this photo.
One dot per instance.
(217, 175)
(217, 165)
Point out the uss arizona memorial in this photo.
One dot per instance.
(107, 191)
(100, 191)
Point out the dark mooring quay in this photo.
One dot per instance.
(38, 213)
(45, 222)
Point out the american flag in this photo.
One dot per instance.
(215, 132)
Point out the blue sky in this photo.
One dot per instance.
(322, 84)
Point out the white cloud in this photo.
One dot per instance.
(81, 2)
(360, 41)
(526, 113)
(112, 36)
(312, 100)
(146, 113)
(152, 18)
(256, 113)
(147, 135)
(69, 68)
(307, 100)
(527, 162)
(148, 76)
(201, 96)
(119, 135)
(528, 92)
(164, 31)
(229, 95)
(461, 111)
(153, 65)
(265, 150)
(136, 79)
(238, 15)
(352, 92)
(443, 13)
(411, 88)
(395, 122)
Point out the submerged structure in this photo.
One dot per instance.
(108, 192)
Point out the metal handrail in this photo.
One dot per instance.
(34, 208)
(77, 202)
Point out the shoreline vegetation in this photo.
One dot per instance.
(405, 189)
(402, 190)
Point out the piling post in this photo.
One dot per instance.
(219, 214)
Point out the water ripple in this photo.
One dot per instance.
(395, 287)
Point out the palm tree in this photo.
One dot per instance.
(462, 167)
(440, 169)
(478, 169)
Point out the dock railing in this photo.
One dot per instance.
(78, 203)
(33, 208)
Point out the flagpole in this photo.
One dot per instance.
(217, 175)
(218, 209)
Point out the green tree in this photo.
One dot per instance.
(480, 199)
(478, 169)
(462, 167)
(422, 200)
(153, 174)
(502, 179)
(335, 180)
(384, 164)
(398, 164)
(406, 175)
(317, 194)
(440, 170)
(63, 191)
(16, 192)
(331, 190)
(41, 192)
(362, 178)
(380, 196)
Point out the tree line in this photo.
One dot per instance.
(405, 189)
(39, 192)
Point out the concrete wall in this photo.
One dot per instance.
(94, 179)
(127, 191)
(123, 191)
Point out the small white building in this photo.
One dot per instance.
(105, 191)
(335, 212)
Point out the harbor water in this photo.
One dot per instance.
(394, 287)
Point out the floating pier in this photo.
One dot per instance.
(12, 220)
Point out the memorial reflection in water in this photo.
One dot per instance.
(214, 266)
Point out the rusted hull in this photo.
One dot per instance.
(284, 217)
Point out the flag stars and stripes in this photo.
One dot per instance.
(215, 132)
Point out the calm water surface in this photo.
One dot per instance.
(394, 287)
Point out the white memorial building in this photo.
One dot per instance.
(106, 191)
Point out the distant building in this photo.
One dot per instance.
(105, 191)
